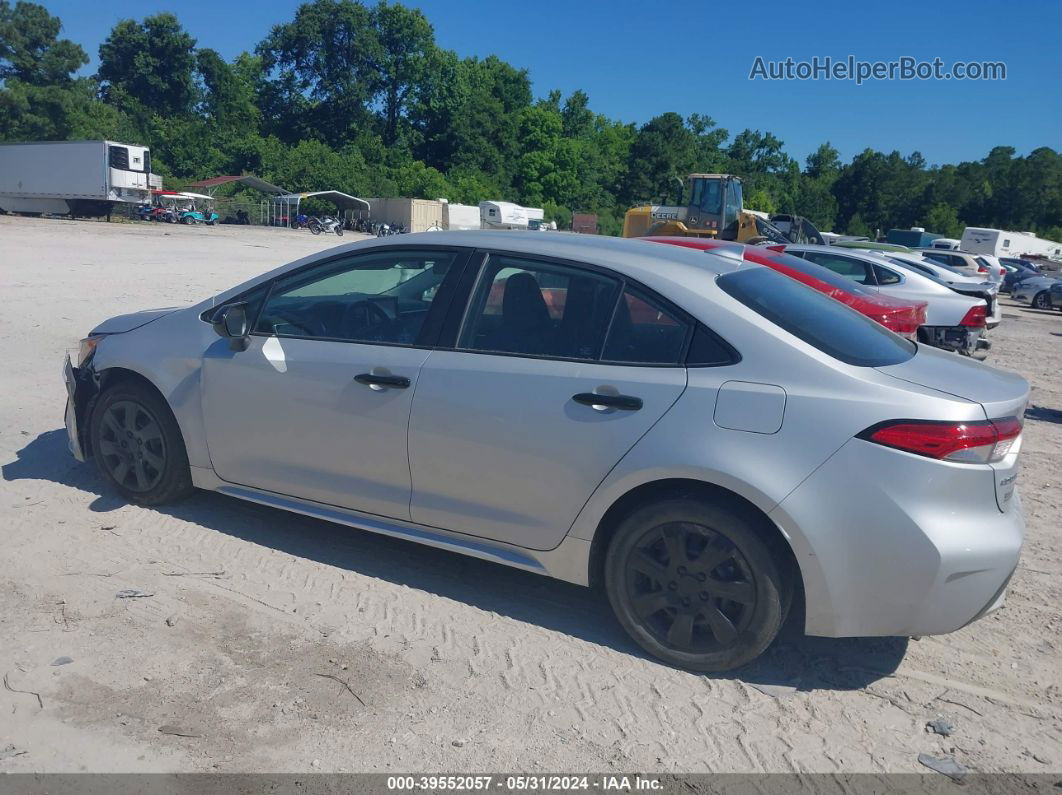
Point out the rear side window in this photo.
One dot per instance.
(817, 319)
(643, 332)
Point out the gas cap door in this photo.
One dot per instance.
(749, 406)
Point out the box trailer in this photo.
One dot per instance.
(915, 237)
(1001, 243)
(412, 215)
(86, 178)
(460, 216)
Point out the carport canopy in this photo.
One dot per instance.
(249, 180)
(342, 201)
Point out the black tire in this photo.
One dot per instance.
(339, 232)
(153, 472)
(665, 568)
(1041, 300)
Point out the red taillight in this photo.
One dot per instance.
(977, 316)
(982, 269)
(964, 442)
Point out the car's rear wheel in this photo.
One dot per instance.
(138, 446)
(695, 585)
(1041, 300)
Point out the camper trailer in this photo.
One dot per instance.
(1001, 243)
(502, 215)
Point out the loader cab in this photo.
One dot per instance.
(715, 202)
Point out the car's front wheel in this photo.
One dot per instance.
(138, 446)
(1041, 300)
(695, 585)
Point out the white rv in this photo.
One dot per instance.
(86, 178)
(1001, 243)
(502, 215)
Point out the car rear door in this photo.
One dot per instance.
(556, 371)
(317, 406)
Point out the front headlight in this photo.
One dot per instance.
(87, 348)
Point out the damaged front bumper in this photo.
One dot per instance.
(81, 389)
(960, 339)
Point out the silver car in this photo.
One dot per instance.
(954, 322)
(702, 436)
(1034, 291)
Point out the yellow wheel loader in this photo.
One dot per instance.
(715, 210)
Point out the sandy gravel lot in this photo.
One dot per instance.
(278, 643)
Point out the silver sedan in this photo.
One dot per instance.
(705, 438)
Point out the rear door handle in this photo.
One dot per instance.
(624, 402)
(381, 381)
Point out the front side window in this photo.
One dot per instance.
(817, 319)
(534, 308)
(373, 298)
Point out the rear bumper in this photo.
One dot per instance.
(891, 543)
(960, 339)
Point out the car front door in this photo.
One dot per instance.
(317, 405)
(558, 370)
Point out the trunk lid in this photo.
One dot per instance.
(1000, 393)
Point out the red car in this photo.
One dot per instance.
(903, 317)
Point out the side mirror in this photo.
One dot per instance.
(232, 323)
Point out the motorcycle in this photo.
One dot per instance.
(325, 224)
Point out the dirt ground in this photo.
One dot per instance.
(272, 642)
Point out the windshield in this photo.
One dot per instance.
(817, 319)
(706, 196)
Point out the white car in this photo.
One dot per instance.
(983, 288)
(965, 262)
(953, 322)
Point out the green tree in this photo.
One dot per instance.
(149, 64)
(943, 219)
(399, 59)
(322, 70)
(31, 51)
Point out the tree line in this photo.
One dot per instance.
(361, 99)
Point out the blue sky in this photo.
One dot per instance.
(637, 59)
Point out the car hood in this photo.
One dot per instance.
(119, 324)
(1002, 394)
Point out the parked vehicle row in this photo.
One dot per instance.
(700, 434)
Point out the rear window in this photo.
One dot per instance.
(817, 319)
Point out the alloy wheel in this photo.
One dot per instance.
(131, 446)
(690, 587)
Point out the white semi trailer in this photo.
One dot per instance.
(77, 178)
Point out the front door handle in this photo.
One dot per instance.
(625, 402)
(381, 381)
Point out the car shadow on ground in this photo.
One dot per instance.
(1043, 414)
(794, 661)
